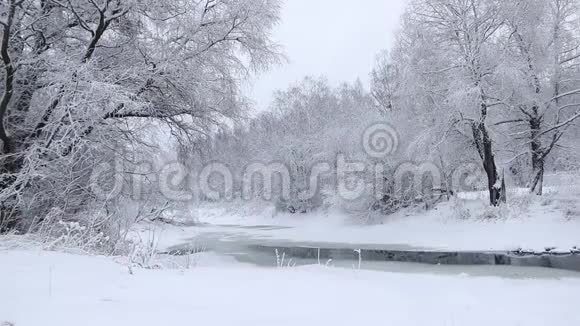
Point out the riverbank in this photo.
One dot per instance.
(527, 224)
(41, 288)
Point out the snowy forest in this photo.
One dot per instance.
(127, 130)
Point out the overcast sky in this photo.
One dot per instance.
(335, 38)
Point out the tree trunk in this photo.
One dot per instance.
(492, 175)
(537, 185)
(485, 148)
(537, 153)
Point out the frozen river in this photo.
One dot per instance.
(259, 249)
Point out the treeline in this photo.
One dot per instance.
(491, 82)
(310, 124)
(86, 82)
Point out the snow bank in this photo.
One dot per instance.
(527, 223)
(40, 288)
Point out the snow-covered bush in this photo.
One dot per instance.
(491, 214)
(459, 209)
(89, 235)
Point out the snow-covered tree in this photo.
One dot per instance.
(501, 74)
(544, 51)
(81, 75)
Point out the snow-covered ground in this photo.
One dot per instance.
(52, 288)
(41, 288)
